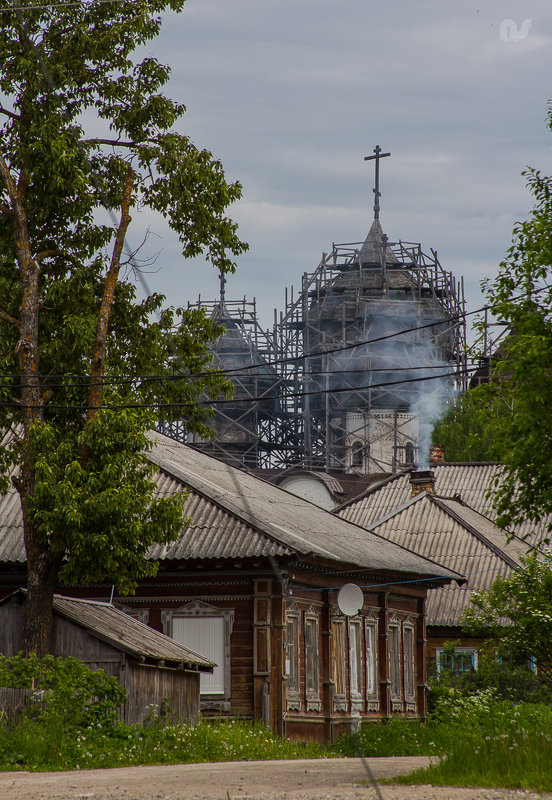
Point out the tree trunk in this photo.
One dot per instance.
(43, 568)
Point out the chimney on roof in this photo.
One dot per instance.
(422, 480)
(436, 454)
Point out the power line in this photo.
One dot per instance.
(84, 380)
(232, 401)
(52, 6)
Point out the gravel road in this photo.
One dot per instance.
(327, 779)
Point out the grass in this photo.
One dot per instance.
(32, 745)
(481, 741)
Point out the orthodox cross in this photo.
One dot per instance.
(377, 193)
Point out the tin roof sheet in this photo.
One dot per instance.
(458, 537)
(282, 519)
(237, 515)
(469, 481)
(127, 634)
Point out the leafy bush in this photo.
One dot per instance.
(510, 679)
(491, 742)
(64, 690)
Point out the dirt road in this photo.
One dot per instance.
(328, 779)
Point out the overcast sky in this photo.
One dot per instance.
(291, 96)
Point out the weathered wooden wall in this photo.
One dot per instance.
(146, 685)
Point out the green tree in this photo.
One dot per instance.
(512, 419)
(84, 369)
(516, 613)
(467, 431)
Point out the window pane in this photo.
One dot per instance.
(205, 635)
(371, 660)
(338, 641)
(292, 654)
(409, 662)
(311, 655)
(355, 658)
(394, 660)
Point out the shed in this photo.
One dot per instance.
(150, 666)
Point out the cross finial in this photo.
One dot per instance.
(377, 194)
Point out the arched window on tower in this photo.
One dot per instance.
(409, 454)
(357, 455)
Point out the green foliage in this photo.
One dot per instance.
(86, 368)
(30, 745)
(393, 737)
(510, 679)
(468, 429)
(66, 693)
(491, 742)
(525, 601)
(521, 296)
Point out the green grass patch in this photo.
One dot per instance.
(31, 746)
(394, 737)
(491, 743)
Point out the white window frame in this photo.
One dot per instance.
(395, 663)
(293, 692)
(312, 692)
(409, 658)
(219, 700)
(355, 657)
(439, 651)
(371, 633)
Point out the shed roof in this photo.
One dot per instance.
(111, 625)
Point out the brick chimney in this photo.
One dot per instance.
(436, 454)
(422, 480)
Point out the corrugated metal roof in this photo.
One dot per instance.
(237, 515)
(281, 518)
(470, 481)
(112, 625)
(12, 548)
(458, 537)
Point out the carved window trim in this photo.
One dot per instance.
(339, 676)
(312, 660)
(371, 631)
(395, 662)
(197, 608)
(141, 614)
(409, 659)
(293, 658)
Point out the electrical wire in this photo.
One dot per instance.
(52, 6)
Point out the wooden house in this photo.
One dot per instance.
(440, 514)
(253, 584)
(151, 667)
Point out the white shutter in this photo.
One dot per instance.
(205, 635)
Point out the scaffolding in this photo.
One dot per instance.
(352, 374)
(374, 343)
(244, 426)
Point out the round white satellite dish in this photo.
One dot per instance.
(350, 599)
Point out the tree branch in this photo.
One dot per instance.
(9, 113)
(99, 351)
(39, 258)
(8, 318)
(114, 142)
(27, 346)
